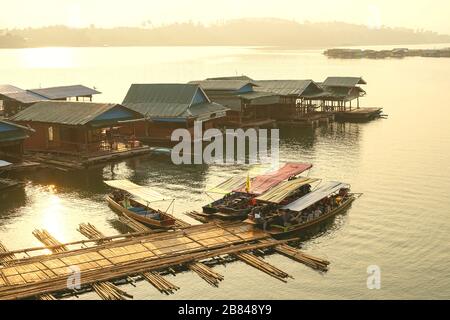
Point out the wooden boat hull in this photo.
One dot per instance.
(166, 223)
(279, 233)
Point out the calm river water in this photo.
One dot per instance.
(402, 165)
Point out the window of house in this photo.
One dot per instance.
(1, 105)
(50, 134)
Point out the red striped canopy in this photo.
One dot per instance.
(264, 182)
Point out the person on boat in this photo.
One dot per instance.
(253, 202)
(286, 217)
(338, 201)
(257, 217)
(126, 203)
(317, 213)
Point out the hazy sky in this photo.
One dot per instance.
(423, 14)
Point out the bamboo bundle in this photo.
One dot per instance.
(48, 240)
(161, 284)
(196, 216)
(133, 224)
(263, 266)
(206, 273)
(109, 291)
(47, 297)
(310, 261)
(91, 232)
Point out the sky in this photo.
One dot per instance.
(416, 14)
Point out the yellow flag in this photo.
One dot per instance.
(247, 184)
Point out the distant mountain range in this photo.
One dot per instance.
(242, 32)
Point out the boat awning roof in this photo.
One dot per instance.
(4, 163)
(280, 192)
(143, 193)
(229, 185)
(320, 193)
(264, 182)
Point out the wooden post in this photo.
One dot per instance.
(357, 99)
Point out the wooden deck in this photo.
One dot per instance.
(67, 161)
(33, 272)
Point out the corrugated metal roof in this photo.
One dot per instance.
(63, 112)
(160, 100)
(243, 77)
(204, 108)
(7, 88)
(342, 92)
(168, 100)
(284, 87)
(343, 81)
(225, 85)
(20, 95)
(255, 95)
(62, 92)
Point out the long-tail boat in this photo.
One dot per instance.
(134, 202)
(326, 201)
(240, 197)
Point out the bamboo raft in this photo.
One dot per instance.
(106, 290)
(107, 261)
(162, 285)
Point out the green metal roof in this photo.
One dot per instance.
(243, 77)
(255, 95)
(204, 108)
(20, 95)
(343, 81)
(66, 112)
(285, 87)
(63, 92)
(168, 101)
(223, 84)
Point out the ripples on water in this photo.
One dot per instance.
(401, 165)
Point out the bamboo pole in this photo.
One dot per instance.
(263, 266)
(206, 273)
(310, 261)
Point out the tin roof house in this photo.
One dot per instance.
(171, 106)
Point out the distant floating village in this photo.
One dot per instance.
(383, 54)
(62, 128)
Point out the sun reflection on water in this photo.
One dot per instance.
(52, 220)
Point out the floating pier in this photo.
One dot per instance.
(104, 261)
(360, 114)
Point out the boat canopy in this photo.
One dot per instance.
(4, 163)
(320, 193)
(143, 193)
(229, 185)
(280, 192)
(264, 182)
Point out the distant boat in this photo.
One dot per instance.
(133, 201)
